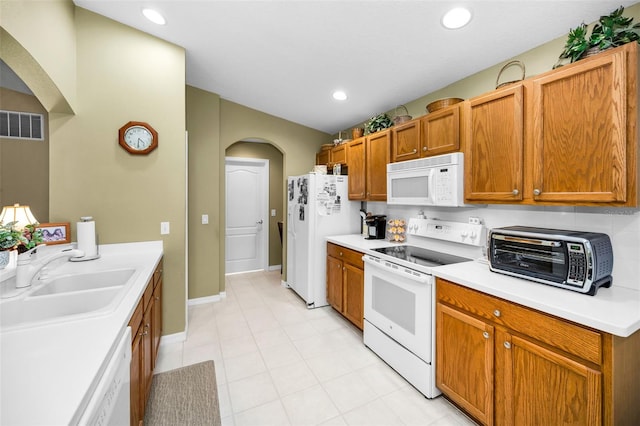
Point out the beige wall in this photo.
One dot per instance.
(24, 164)
(38, 41)
(203, 125)
(276, 196)
(97, 68)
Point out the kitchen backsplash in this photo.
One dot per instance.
(621, 224)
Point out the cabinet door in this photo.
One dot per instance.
(147, 348)
(494, 143)
(405, 141)
(377, 159)
(440, 132)
(357, 173)
(334, 282)
(323, 157)
(579, 134)
(156, 322)
(464, 361)
(542, 387)
(354, 294)
(137, 390)
(339, 154)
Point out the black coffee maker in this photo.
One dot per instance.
(377, 227)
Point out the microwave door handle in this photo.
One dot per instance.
(432, 187)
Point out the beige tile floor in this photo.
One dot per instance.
(279, 363)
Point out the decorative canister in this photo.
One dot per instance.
(357, 132)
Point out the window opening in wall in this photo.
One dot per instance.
(21, 125)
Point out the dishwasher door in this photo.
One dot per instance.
(110, 403)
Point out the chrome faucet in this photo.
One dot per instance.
(29, 265)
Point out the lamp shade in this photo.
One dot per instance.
(17, 213)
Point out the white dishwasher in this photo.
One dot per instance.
(110, 403)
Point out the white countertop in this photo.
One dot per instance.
(49, 372)
(614, 310)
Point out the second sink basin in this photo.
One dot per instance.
(80, 282)
(52, 308)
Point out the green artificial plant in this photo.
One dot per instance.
(377, 123)
(610, 31)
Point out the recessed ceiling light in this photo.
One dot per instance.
(339, 95)
(456, 18)
(154, 16)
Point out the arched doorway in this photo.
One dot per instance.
(257, 148)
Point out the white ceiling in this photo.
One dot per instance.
(285, 58)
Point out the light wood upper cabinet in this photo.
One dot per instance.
(339, 154)
(432, 134)
(357, 173)
(323, 157)
(440, 131)
(565, 137)
(494, 141)
(578, 137)
(377, 159)
(367, 160)
(405, 141)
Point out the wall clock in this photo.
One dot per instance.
(137, 137)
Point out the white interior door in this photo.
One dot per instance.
(247, 220)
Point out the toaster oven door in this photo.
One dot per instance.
(530, 257)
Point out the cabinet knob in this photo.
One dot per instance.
(507, 345)
(515, 192)
(157, 297)
(497, 313)
(344, 269)
(485, 335)
(414, 150)
(340, 253)
(424, 148)
(536, 191)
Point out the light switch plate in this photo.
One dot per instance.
(273, 212)
(164, 228)
(205, 219)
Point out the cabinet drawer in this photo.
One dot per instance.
(350, 256)
(569, 337)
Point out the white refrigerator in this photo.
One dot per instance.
(318, 206)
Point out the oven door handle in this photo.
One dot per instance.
(396, 269)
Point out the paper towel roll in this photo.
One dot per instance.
(87, 237)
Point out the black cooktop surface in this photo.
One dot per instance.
(421, 256)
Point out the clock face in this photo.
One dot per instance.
(138, 138)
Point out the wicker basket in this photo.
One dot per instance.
(442, 103)
(507, 65)
(400, 119)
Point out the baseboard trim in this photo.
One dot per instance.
(275, 268)
(207, 299)
(170, 339)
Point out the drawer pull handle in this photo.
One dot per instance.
(485, 335)
(507, 345)
(497, 313)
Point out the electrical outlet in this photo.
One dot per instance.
(205, 219)
(475, 220)
(164, 228)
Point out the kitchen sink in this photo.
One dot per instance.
(64, 306)
(81, 282)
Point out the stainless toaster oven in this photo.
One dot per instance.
(574, 260)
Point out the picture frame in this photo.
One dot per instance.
(55, 233)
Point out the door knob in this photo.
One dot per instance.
(259, 222)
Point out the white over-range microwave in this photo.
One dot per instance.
(429, 181)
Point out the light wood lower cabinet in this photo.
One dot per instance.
(146, 329)
(506, 364)
(345, 282)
